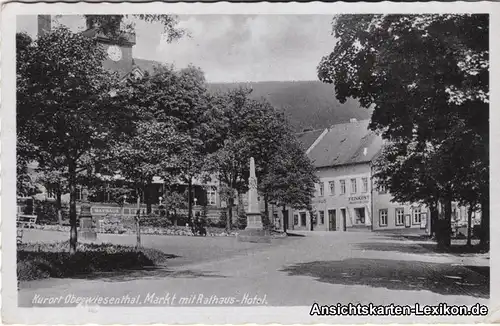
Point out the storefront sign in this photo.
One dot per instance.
(359, 199)
(105, 210)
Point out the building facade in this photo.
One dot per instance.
(347, 197)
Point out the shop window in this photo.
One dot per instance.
(417, 215)
(302, 219)
(365, 184)
(321, 217)
(360, 215)
(332, 188)
(400, 216)
(342, 187)
(382, 217)
(354, 186)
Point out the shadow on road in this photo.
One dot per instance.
(148, 273)
(397, 275)
(419, 248)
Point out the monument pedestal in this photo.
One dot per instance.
(87, 231)
(254, 232)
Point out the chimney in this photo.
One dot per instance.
(44, 24)
(353, 120)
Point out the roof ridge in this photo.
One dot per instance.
(348, 122)
(308, 131)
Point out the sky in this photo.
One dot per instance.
(231, 48)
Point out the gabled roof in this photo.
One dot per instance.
(146, 65)
(346, 143)
(307, 138)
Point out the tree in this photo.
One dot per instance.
(423, 75)
(180, 95)
(174, 202)
(150, 152)
(245, 128)
(64, 104)
(291, 178)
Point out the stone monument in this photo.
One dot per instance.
(254, 232)
(87, 231)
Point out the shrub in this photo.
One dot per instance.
(38, 260)
(46, 212)
(154, 220)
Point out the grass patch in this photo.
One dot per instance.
(42, 260)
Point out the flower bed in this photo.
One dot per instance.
(42, 260)
(118, 229)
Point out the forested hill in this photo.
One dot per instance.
(308, 104)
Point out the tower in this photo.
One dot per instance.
(44, 24)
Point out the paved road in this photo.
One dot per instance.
(327, 268)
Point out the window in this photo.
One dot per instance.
(302, 219)
(382, 189)
(79, 193)
(354, 186)
(321, 217)
(295, 219)
(50, 193)
(332, 188)
(417, 215)
(211, 196)
(342, 187)
(365, 184)
(321, 189)
(360, 215)
(382, 217)
(400, 216)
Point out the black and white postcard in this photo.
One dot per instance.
(194, 163)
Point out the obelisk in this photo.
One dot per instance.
(254, 232)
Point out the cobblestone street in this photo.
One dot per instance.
(356, 267)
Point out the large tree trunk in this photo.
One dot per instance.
(138, 221)
(485, 223)
(190, 200)
(285, 219)
(59, 206)
(267, 220)
(229, 222)
(443, 234)
(73, 233)
(311, 218)
(469, 225)
(433, 219)
(148, 197)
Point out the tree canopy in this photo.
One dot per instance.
(65, 107)
(426, 77)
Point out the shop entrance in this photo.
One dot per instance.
(332, 219)
(343, 214)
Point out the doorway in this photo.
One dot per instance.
(332, 219)
(343, 214)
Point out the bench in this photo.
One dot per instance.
(24, 222)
